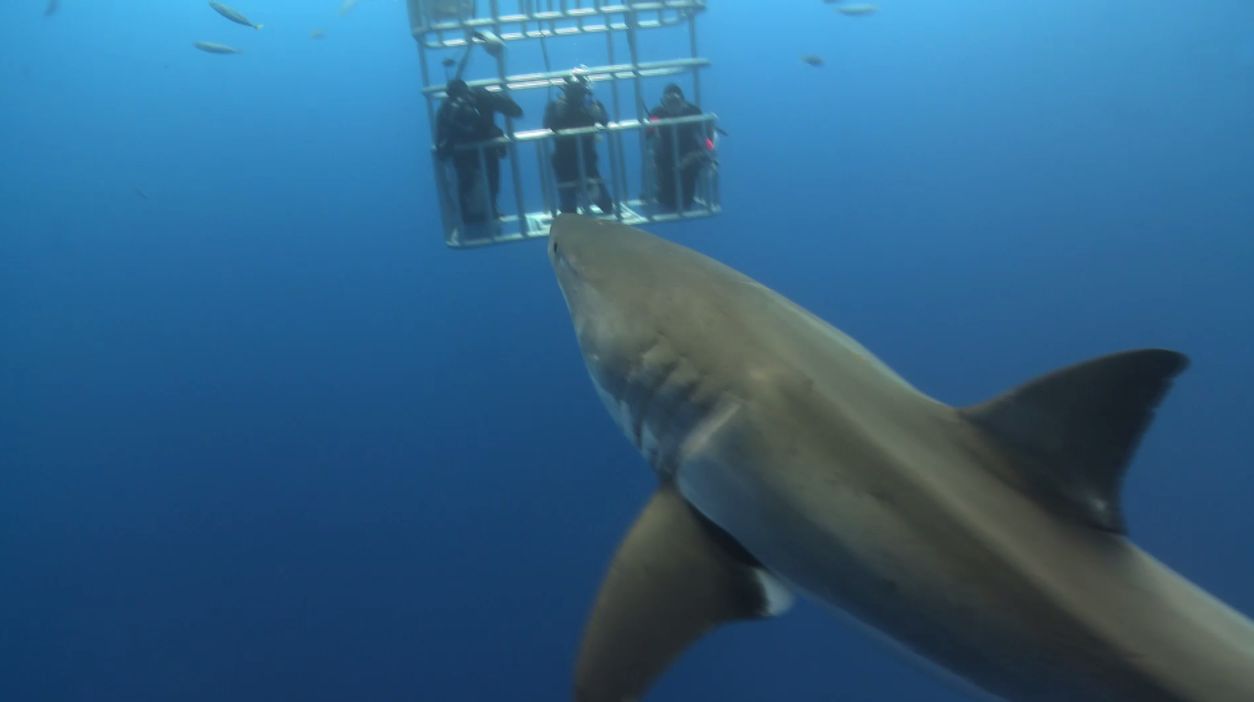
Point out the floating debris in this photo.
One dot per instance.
(812, 59)
(232, 14)
(139, 192)
(857, 10)
(347, 6)
(317, 34)
(51, 9)
(215, 48)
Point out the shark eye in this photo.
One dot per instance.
(560, 258)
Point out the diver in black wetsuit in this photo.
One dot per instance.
(577, 108)
(466, 117)
(678, 148)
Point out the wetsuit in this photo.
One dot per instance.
(576, 108)
(467, 118)
(681, 146)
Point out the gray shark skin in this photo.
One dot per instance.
(986, 541)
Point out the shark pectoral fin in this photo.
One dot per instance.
(675, 577)
(1075, 430)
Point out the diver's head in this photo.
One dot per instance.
(672, 96)
(457, 88)
(577, 85)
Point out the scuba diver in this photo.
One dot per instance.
(576, 107)
(678, 149)
(466, 117)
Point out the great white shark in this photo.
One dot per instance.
(985, 540)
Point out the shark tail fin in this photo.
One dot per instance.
(675, 577)
(1073, 432)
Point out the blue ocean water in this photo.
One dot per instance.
(262, 436)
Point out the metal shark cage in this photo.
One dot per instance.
(529, 192)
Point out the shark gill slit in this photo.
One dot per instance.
(622, 391)
(649, 376)
(673, 409)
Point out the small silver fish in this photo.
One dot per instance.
(232, 14)
(317, 34)
(857, 10)
(347, 6)
(215, 48)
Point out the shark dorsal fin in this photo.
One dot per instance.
(675, 577)
(1074, 431)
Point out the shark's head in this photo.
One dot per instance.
(641, 308)
(615, 284)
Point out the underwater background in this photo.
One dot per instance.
(262, 436)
